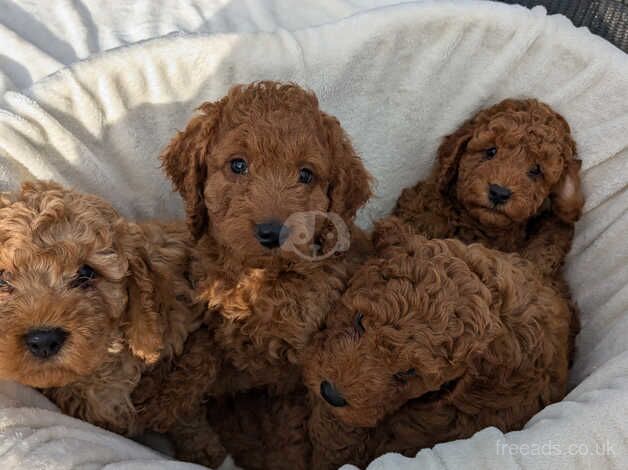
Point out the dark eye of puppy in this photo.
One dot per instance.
(84, 276)
(305, 176)
(239, 166)
(358, 325)
(490, 153)
(535, 171)
(402, 377)
(4, 284)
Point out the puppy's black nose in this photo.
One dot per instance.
(45, 342)
(498, 194)
(331, 395)
(269, 233)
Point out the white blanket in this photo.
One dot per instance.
(398, 78)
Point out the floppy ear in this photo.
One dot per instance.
(350, 187)
(448, 156)
(142, 327)
(566, 196)
(185, 162)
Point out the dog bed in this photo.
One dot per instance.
(398, 78)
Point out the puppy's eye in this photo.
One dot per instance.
(239, 166)
(5, 287)
(84, 277)
(402, 377)
(305, 176)
(535, 171)
(490, 153)
(358, 325)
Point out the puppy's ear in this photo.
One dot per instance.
(185, 162)
(566, 196)
(449, 152)
(350, 187)
(142, 327)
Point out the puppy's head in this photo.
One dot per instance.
(257, 167)
(505, 162)
(408, 328)
(67, 268)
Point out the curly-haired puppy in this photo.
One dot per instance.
(271, 185)
(89, 301)
(433, 341)
(507, 178)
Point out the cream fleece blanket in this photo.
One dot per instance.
(398, 78)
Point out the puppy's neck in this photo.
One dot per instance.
(469, 230)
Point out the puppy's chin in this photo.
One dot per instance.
(68, 366)
(361, 418)
(491, 217)
(46, 377)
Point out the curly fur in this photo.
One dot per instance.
(537, 221)
(453, 338)
(263, 430)
(135, 314)
(265, 303)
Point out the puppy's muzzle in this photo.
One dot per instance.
(45, 342)
(331, 395)
(270, 233)
(498, 194)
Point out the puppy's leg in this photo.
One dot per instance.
(195, 440)
(548, 245)
(547, 248)
(177, 389)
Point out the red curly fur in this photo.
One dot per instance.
(433, 341)
(135, 315)
(264, 304)
(537, 221)
(453, 202)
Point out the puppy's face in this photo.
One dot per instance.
(508, 170)
(262, 169)
(264, 176)
(405, 331)
(510, 159)
(62, 285)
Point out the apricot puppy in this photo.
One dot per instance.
(89, 302)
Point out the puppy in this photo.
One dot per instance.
(433, 341)
(89, 302)
(271, 185)
(507, 178)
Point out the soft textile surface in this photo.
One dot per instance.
(398, 78)
(38, 38)
(34, 435)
